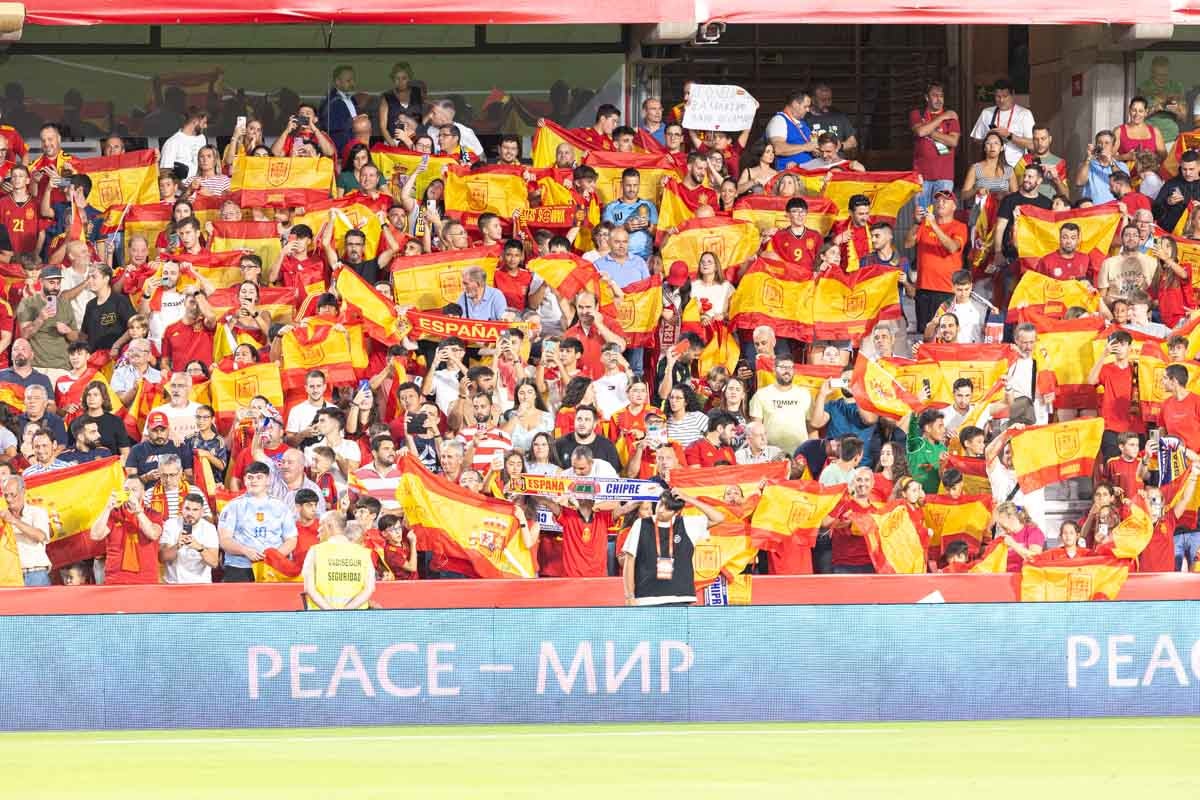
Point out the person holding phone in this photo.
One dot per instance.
(302, 129)
(189, 545)
(1119, 403)
(130, 533)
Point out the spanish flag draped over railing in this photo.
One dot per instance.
(1086, 578)
(390, 159)
(1046, 454)
(699, 482)
(498, 188)
(792, 509)
(260, 238)
(322, 347)
(732, 241)
(480, 536)
(965, 519)
(235, 389)
(729, 547)
(879, 386)
(73, 498)
(351, 212)
(128, 179)
(432, 280)
(773, 293)
(1036, 230)
(982, 364)
(897, 546)
(379, 318)
(1038, 293)
(769, 213)
(275, 181)
(847, 305)
(651, 167)
(548, 137)
(1065, 347)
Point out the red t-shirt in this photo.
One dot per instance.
(299, 275)
(585, 543)
(1054, 265)
(16, 143)
(589, 362)
(182, 343)
(396, 556)
(936, 264)
(22, 223)
(121, 525)
(849, 549)
(930, 164)
(1135, 202)
(702, 453)
(796, 249)
(515, 288)
(1117, 383)
(306, 536)
(1124, 474)
(246, 458)
(1182, 418)
(1159, 555)
(792, 557)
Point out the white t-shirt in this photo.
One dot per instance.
(718, 294)
(33, 554)
(189, 566)
(1020, 383)
(1004, 481)
(611, 393)
(71, 279)
(600, 469)
(784, 414)
(346, 449)
(971, 319)
(1018, 120)
(170, 313)
(181, 421)
(302, 416)
(182, 149)
(777, 128)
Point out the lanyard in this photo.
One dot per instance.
(670, 540)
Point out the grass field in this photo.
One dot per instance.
(1010, 760)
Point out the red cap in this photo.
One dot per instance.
(679, 274)
(157, 419)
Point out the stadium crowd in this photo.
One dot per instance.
(613, 325)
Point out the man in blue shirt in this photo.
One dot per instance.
(652, 120)
(836, 410)
(1093, 174)
(636, 215)
(252, 523)
(619, 264)
(478, 300)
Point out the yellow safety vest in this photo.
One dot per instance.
(340, 570)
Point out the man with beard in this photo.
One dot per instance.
(355, 244)
(853, 234)
(161, 302)
(691, 189)
(144, 457)
(47, 324)
(783, 407)
(714, 446)
(936, 133)
(1066, 263)
(22, 372)
(86, 434)
(381, 477)
(1054, 168)
(1027, 194)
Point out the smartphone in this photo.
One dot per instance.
(837, 383)
(52, 304)
(680, 347)
(1152, 442)
(240, 123)
(364, 386)
(927, 385)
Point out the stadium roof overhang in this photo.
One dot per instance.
(509, 12)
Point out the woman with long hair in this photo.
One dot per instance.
(1024, 539)
(685, 421)
(1173, 287)
(542, 458)
(208, 444)
(97, 406)
(992, 173)
(727, 195)
(711, 290)
(168, 237)
(1105, 513)
(248, 318)
(579, 392)
(891, 467)
(1137, 136)
(245, 140)
(757, 169)
(532, 415)
(347, 180)
(787, 185)
(208, 180)
(403, 99)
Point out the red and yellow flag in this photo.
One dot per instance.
(679, 203)
(234, 390)
(260, 238)
(432, 280)
(548, 137)
(1035, 231)
(73, 497)
(400, 162)
(847, 305)
(792, 509)
(638, 311)
(652, 168)
(10, 558)
(148, 396)
(276, 568)
(774, 293)
(982, 364)
(983, 234)
(130, 178)
(1065, 347)
(1049, 297)
(219, 268)
(889, 192)
(896, 546)
(974, 472)
(13, 396)
(711, 481)
(731, 241)
(351, 212)
(878, 387)
(994, 559)
(1046, 454)
(965, 519)
(322, 347)
(567, 274)
(380, 320)
(499, 189)
(278, 301)
(1086, 578)
(1187, 140)
(275, 181)
(1131, 536)
(146, 221)
(727, 551)
(479, 535)
(769, 213)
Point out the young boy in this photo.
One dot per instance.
(1139, 313)
(971, 314)
(396, 559)
(322, 475)
(957, 556)
(1124, 469)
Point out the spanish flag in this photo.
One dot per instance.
(399, 162)
(73, 497)
(1035, 232)
(877, 387)
(847, 305)
(896, 546)
(10, 559)
(1087, 578)
(1131, 536)
(147, 221)
(276, 568)
(983, 234)
(982, 364)
(769, 213)
(380, 320)
(889, 192)
(499, 189)
(721, 350)
(274, 181)
(965, 519)
(792, 509)
(128, 179)
(727, 551)
(322, 347)
(1049, 297)
(1065, 347)
(993, 561)
(652, 168)
(806, 376)
(568, 274)
(432, 280)
(350, 212)
(278, 301)
(480, 535)
(679, 203)
(1187, 140)
(234, 390)
(974, 472)
(1188, 252)
(638, 311)
(699, 482)
(548, 137)
(148, 396)
(219, 268)
(731, 241)
(774, 293)
(260, 238)
(13, 396)
(1047, 454)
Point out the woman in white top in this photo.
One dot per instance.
(685, 424)
(711, 285)
(532, 416)
(600, 248)
(208, 179)
(541, 459)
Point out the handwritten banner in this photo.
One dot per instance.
(719, 107)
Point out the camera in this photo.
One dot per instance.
(709, 33)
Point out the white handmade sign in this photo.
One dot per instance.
(719, 107)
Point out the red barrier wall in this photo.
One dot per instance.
(555, 592)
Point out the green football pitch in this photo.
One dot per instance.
(1008, 760)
